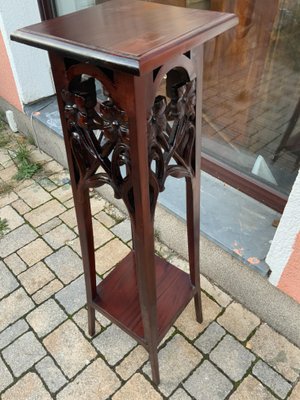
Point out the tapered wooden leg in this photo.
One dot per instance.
(193, 231)
(91, 320)
(153, 356)
(85, 228)
(80, 195)
(142, 219)
(193, 189)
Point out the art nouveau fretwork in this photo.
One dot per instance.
(100, 138)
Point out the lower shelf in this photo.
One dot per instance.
(118, 298)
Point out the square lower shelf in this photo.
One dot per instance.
(118, 298)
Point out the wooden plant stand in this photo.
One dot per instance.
(133, 139)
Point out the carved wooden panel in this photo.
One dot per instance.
(100, 139)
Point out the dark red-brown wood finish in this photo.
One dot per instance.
(133, 138)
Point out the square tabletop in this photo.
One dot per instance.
(127, 34)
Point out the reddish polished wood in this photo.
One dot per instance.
(127, 34)
(118, 296)
(133, 138)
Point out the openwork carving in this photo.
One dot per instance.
(171, 130)
(99, 137)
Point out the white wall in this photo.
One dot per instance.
(284, 239)
(30, 66)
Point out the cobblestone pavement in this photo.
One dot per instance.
(46, 352)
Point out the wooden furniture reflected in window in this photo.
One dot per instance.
(47, 9)
(179, 3)
(291, 140)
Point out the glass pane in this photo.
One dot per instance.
(66, 7)
(251, 91)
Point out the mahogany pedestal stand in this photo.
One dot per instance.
(131, 138)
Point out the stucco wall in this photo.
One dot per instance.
(285, 247)
(290, 278)
(8, 88)
(30, 66)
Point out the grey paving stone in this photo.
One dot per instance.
(47, 184)
(207, 383)
(176, 360)
(69, 217)
(13, 332)
(59, 236)
(101, 234)
(137, 388)
(73, 296)
(105, 219)
(8, 173)
(97, 381)
(180, 394)
(34, 195)
(81, 320)
(65, 263)
(60, 178)
(15, 264)
(13, 307)
(233, 358)
(46, 317)
(30, 387)
(5, 376)
(48, 226)
(47, 291)
(123, 230)
(207, 341)
(16, 239)
(8, 198)
(251, 389)
(51, 374)
(36, 277)
(109, 255)
(63, 193)
(113, 343)
(131, 363)
(34, 252)
(53, 167)
(23, 353)
(295, 395)
(221, 297)
(69, 348)
(8, 282)
(13, 218)
(238, 321)
(276, 351)
(187, 323)
(271, 379)
(44, 213)
(20, 206)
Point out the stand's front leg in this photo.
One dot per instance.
(193, 190)
(85, 229)
(193, 231)
(142, 218)
(80, 194)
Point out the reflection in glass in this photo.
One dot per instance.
(251, 91)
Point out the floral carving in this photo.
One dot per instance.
(99, 137)
(171, 132)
